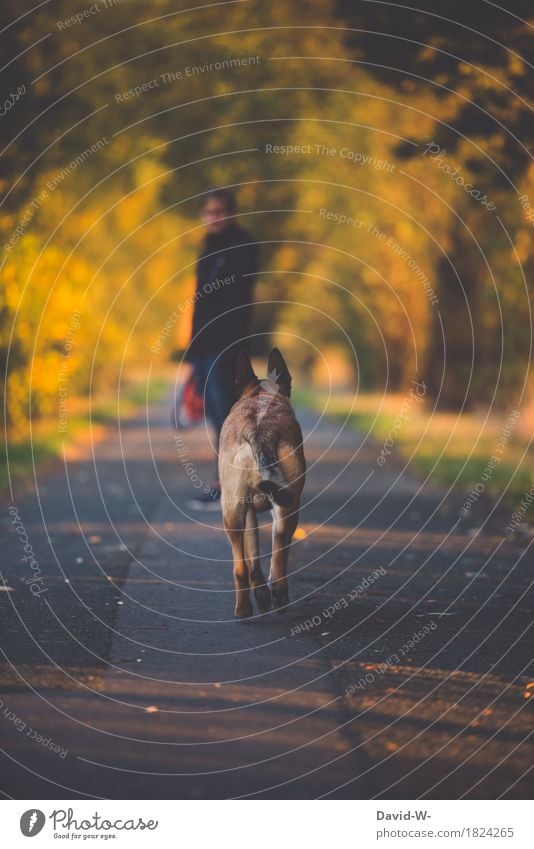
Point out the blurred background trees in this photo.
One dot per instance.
(429, 283)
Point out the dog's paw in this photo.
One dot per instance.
(262, 594)
(243, 610)
(280, 596)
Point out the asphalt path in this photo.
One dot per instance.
(403, 668)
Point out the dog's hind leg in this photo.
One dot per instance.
(243, 606)
(285, 521)
(262, 593)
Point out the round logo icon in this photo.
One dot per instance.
(31, 822)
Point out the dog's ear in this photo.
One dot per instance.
(279, 372)
(244, 376)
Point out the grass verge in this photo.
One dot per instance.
(454, 449)
(24, 452)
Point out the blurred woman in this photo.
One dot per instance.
(226, 272)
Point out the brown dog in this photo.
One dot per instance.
(261, 467)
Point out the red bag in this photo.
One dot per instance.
(189, 405)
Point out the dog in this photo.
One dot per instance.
(261, 467)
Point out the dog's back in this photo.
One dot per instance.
(261, 456)
(262, 466)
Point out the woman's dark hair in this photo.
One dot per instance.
(224, 195)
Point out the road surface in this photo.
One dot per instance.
(403, 668)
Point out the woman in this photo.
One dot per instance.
(226, 272)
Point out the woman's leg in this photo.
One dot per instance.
(218, 394)
(216, 385)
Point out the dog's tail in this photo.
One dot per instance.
(273, 483)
